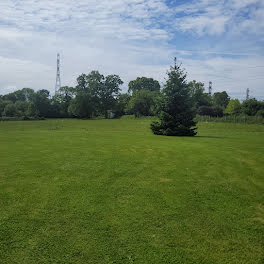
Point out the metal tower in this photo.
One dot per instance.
(247, 97)
(210, 88)
(58, 80)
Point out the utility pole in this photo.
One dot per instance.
(58, 79)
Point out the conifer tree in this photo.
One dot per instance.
(176, 109)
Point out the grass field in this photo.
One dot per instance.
(108, 191)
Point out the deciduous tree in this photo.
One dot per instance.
(221, 99)
(252, 106)
(233, 107)
(143, 83)
(200, 98)
(142, 103)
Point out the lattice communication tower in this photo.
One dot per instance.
(210, 88)
(247, 96)
(58, 79)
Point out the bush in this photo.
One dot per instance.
(83, 106)
(142, 103)
(261, 113)
(10, 110)
(11, 118)
(3, 104)
(20, 118)
(232, 119)
(213, 111)
(252, 106)
(121, 105)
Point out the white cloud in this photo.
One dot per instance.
(204, 24)
(243, 3)
(15, 72)
(122, 18)
(130, 38)
(90, 35)
(213, 17)
(11, 35)
(234, 76)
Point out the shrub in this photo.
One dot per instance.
(252, 106)
(260, 113)
(10, 110)
(213, 111)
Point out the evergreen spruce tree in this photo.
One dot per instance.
(176, 108)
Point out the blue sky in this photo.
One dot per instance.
(216, 40)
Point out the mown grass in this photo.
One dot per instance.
(108, 191)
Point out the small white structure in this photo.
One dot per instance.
(112, 115)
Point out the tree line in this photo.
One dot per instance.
(96, 95)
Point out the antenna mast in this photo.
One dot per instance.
(58, 80)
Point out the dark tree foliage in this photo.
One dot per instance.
(143, 83)
(109, 92)
(91, 83)
(82, 106)
(213, 111)
(142, 103)
(21, 107)
(94, 95)
(32, 110)
(252, 106)
(61, 101)
(260, 113)
(97, 95)
(42, 103)
(121, 104)
(221, 99)
(177, 114)
(10, 110)
(11, 97)
(28, 94)
(25, 94)
(98, 91)
(199, 97)
(87, 92)
(3, 104)
(19, 102)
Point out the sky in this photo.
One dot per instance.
(215, 40)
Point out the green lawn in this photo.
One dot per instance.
(109, 191)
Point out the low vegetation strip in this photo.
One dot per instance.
(109, 191)
(232, 119)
